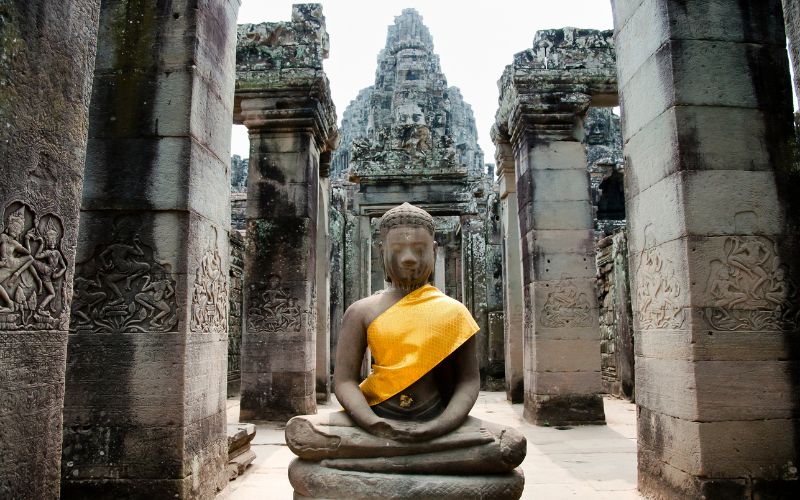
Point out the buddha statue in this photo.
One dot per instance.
(405, 431)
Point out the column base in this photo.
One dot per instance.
(660, 481)
(573, 409)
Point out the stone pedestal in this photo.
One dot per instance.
(544, 97)
(45, 79)
(144, 411)
(713, 216)
(284, 100)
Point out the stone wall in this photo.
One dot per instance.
(235, 312)
(616, 332)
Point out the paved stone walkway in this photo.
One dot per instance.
(592, 462)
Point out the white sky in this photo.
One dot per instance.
(474, 44)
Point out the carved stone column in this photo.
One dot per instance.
(543, 99)
(512, 272)
(323, 281)
(144, 411)
(45, 86)
(284, 101)
(712, 200)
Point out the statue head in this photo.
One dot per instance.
(16, 222)
(408, 249)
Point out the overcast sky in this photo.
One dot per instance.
(474, 43)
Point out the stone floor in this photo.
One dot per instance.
(593, 462)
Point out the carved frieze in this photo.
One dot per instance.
(273, 309)
(209, 313)
(750, 288)
(566, 306)
(657, 293)
(123, 288)
(32, 270)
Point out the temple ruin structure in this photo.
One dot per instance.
(411, 137)
(649, 254)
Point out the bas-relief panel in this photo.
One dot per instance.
(658, 293)
(209, 313)
(750, 288)
(272, 309)
(566, 306)
(123, 287)
(32, 270)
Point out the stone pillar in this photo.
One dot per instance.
(336, 227)
(713, 210)
(439, 268)
(323, 280)
(562, 342)
(512, 272)
(473, 259)
(544, 98)
(791, 16)
(45, 79)
(291, 121)
(144, 411)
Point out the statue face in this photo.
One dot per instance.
(408, 256)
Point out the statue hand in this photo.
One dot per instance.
(404, 432)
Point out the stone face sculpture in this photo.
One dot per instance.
(405, 431)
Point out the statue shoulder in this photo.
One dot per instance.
(362, 311)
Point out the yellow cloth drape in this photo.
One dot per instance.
(410, 338)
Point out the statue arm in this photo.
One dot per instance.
(349, 354)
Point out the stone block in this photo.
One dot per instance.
(691, 138)
(566, 355)
(566, 383)
(561, 185)
(669, 78)
(667, 387)
(154, 173)
(559, 214)
(564, 410)
(716, 208)
(568, 304)
(708, 458)
(623, 10)
(641, 27)
(557, 155)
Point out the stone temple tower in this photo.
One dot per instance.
(410, 137)
(409, 122)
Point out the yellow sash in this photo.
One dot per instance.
(410, 338)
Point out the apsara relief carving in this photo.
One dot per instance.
(272, 309)
(657, 293)
(32, 270)
(210, 296)
(749, 288)
(566, 306)
(123, 288)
